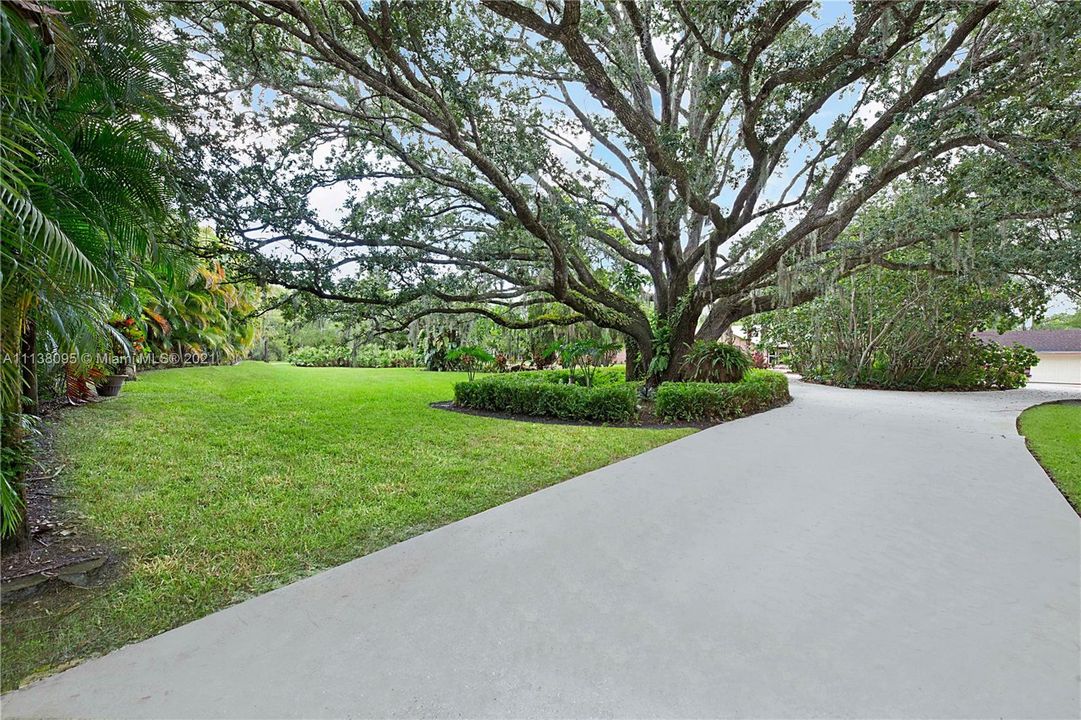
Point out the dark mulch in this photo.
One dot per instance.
(646, 419)
(60, 548)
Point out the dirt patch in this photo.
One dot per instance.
(60, 549)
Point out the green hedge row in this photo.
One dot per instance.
(696, 401)
(366, 356)
(602, 376)
(541, 397)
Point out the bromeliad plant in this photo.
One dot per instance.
(717, 362)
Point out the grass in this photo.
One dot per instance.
(221, 483)
(1053, 432)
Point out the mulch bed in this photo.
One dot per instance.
(646, 420)
(59, 549)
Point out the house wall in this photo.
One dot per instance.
(1058, 367)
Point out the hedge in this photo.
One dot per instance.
(602, 376)
(696, 401)
(370, 356)
(541, 397)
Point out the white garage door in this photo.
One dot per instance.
(1058, 368)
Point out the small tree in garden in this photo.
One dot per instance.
(592, 354)
(470, 358)
(586, 353)
(567, 354)
(715, 362)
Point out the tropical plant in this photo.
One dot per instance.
(199, 315)
(590, 354)
(585, 354)
(566, 354)
(709, 361)
(86, 182)
(469, 357)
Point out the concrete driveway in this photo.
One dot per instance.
(855, 554)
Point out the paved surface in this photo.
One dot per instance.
(854, 554)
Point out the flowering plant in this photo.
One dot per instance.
(131, 332)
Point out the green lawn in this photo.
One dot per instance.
(224, 482)
(1053, 432)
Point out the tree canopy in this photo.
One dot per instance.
(660, 168)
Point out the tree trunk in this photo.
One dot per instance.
(678, 345)
(635, 365)
(29, 348)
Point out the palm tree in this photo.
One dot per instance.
(201, 312)
(86, 186)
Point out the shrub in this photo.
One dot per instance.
(342, 356)
(1005, 367)
(377, 357)
(323, 356)
(715, 362)
(697, 401)
(903, 330)
(540, 397)
(983, 366)
(602, 377)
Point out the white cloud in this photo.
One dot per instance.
(870, 111)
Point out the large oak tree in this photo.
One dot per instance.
(660, 168)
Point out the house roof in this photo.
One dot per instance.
(1038, 340)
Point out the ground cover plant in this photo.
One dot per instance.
(1053, 433)
(225, 482)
